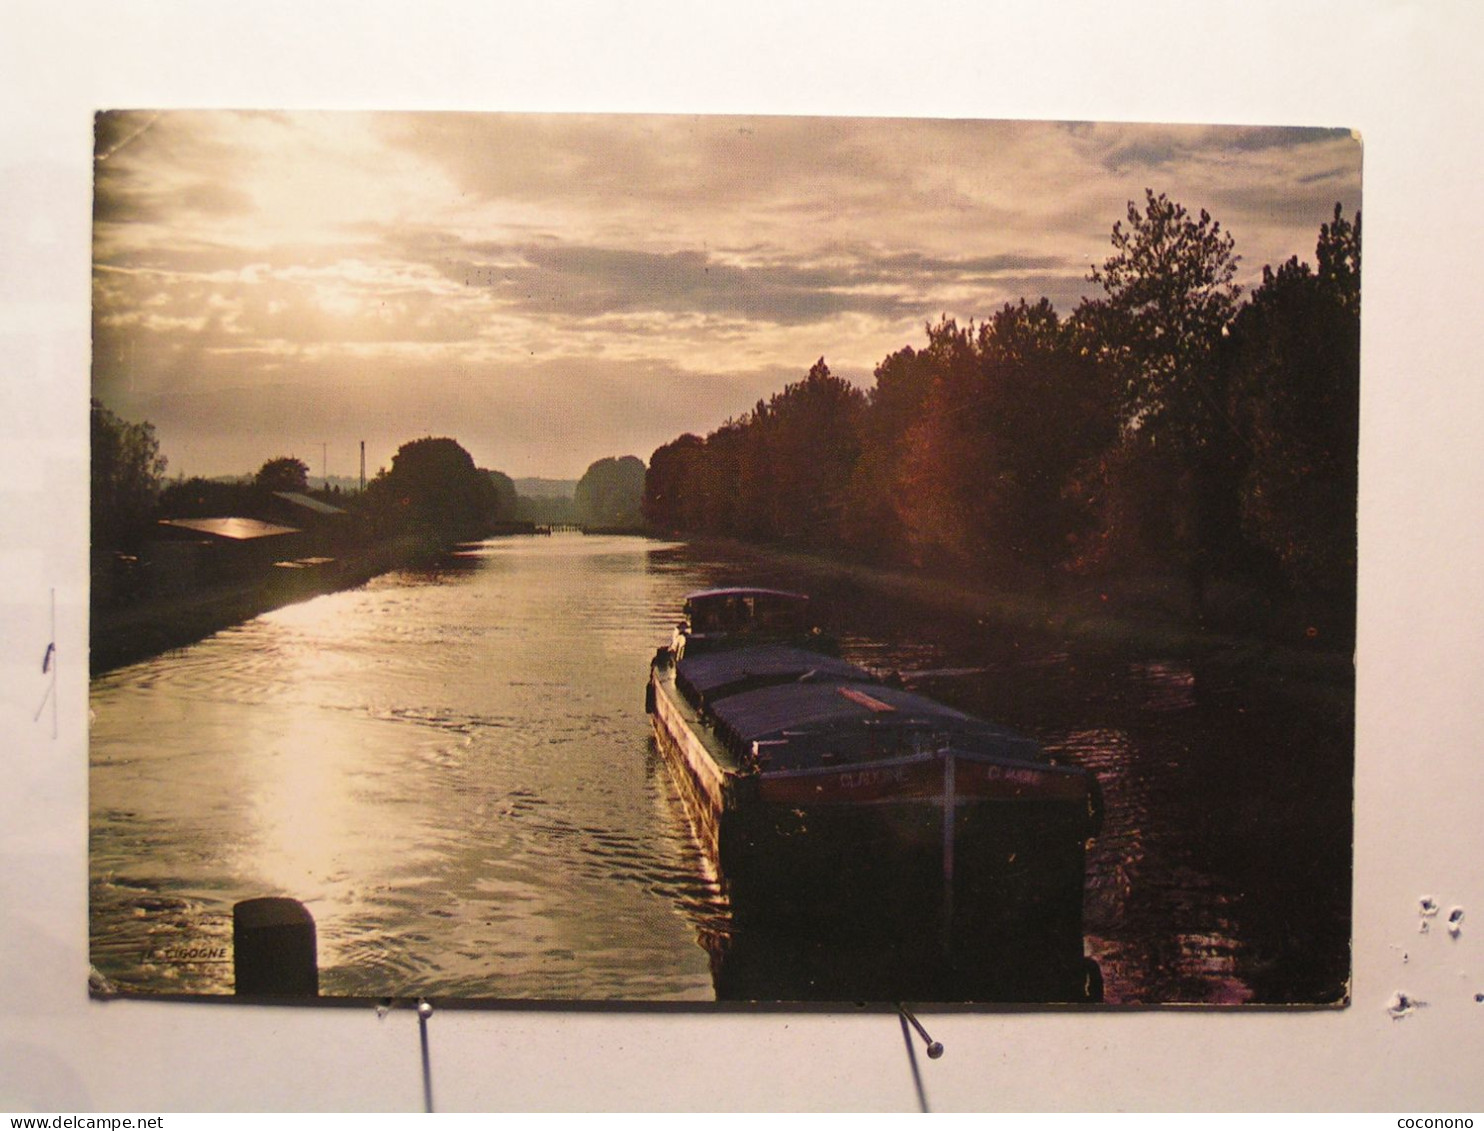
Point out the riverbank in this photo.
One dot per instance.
(127, 633)
(1150, 620)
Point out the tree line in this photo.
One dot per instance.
(1169, 433)
(432, 491)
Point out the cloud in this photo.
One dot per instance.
(584, 282)
(1121, 148)
(588, 282)
(572, 279)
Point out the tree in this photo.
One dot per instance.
(781, 473)
(208, 498)
(507, 498)
(1295, 359)
(875, 520)
(670, 491)
(1012, 409)
(127, 470)
(809, 437)
(611, 493)
(283, 474)
(434, 490)
(1171, 298)
(1052, 411)
(1338, 253)
(729, 488)
(945, 481)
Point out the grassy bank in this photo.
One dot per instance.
(144, 628)
(1152, 618)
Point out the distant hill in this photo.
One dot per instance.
(537, 488)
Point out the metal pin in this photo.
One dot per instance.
(934, 1048)
(424, 1011)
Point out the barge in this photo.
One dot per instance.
(821, 793)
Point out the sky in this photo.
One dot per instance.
(550, 290)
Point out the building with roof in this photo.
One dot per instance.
(189, 552)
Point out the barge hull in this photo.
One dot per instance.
(704, 786)
(1014, 876)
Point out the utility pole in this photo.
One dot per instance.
(363, 467)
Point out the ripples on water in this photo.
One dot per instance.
(452, 769)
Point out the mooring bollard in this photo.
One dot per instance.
(275, 952)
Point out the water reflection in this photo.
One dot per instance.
(1222, 873)
(889, 964)
(453, 769)
(448, 767)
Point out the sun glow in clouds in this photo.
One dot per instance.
(553, 289)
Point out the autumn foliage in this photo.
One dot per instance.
(1170, 434)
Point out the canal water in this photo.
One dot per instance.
(452, 769)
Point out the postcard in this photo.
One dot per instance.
(708, 560)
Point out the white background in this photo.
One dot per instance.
(1406, 75)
